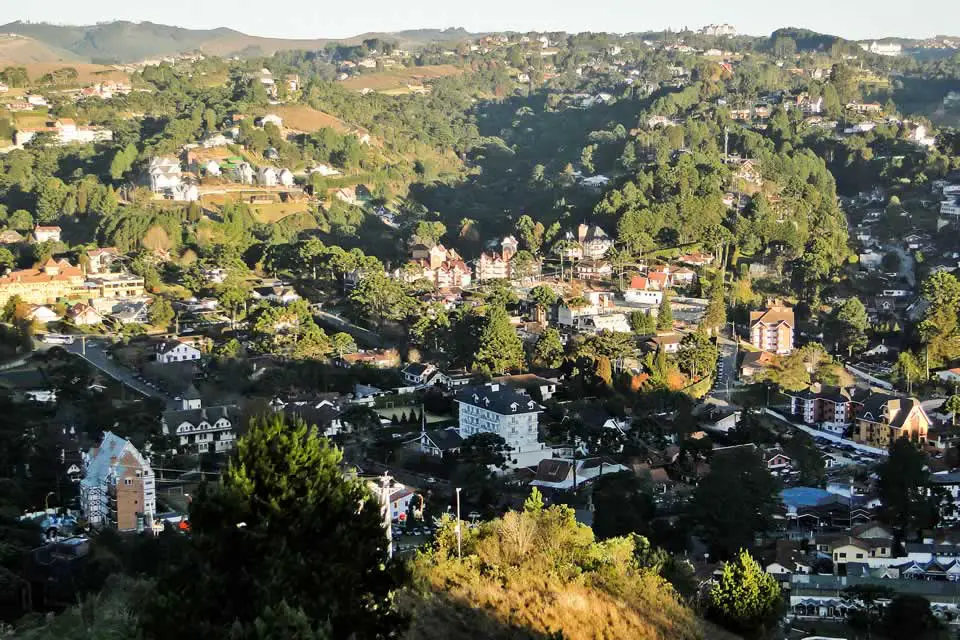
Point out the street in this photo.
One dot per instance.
(96, 355)
(345, 325)
(726, 367)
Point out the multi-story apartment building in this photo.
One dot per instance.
(885, 418)
(201, 429)
(118, 489)
(492, 266)
(115, 285)
(831, 408)
(772, 330)
(59, 280)
(45, 285)
(501, 409)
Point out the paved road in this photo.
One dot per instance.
(345, 325)
(726, 368)
(96, 355)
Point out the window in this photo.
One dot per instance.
(859, 556)
(128, 481)
(843, 555)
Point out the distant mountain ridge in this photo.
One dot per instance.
(122, 41)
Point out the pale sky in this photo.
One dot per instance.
(854, 19)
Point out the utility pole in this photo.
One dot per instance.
(459, 532)
(385, 484)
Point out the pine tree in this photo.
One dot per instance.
(500, 348)
(283, 531)
(533, 503)
(665, 314)
(745, 599)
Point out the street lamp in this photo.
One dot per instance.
(459, 536)
(46, 499)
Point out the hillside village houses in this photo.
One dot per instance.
(63, 131)
(442, 267)
(495, 265)
(118, 489)
(594, 241)
(167, 179)
(58, 280)
(200, 429)
(830, 408)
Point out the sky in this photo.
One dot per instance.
(853, 19)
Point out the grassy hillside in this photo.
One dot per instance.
(533, 574)
(21, 50)
(400, 78)
(304, 118)
(130, 42)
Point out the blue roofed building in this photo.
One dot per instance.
(118, 489)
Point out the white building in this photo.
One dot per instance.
(882, 48)
(175, 351)
(165, 174)
(285, 177)
(616, 322)
(500, 409)
(118, 488)
(267, 176)
(212, 168)
(201, 429)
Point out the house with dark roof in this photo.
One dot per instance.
(884, 418)
(566, 474)
(176, 351)
(324, 413)
(539, 388)
(441, 442)
(201, 429)
(420, 374)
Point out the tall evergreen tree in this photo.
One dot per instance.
(665, 314)
(284, 528)
(745, 599)
(500, 348)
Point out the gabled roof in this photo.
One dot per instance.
(773, 315)
(445, 439)
(417, 368)
(175, 418)
(499, 398)
(107, 458)
(554, 470)
(169, 345)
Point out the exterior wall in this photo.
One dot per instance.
(639, 296)
(774, 338)
(41, 292)
(205, 437)
(518, 430)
